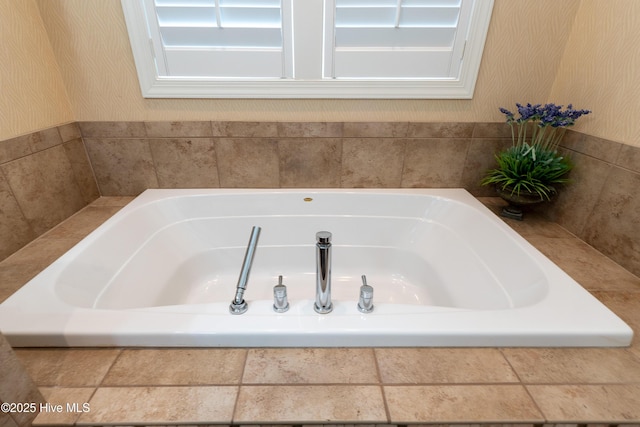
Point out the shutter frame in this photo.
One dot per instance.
(153, 84)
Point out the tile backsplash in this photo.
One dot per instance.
(48, 175)
(130, 157)
(45, 177)
(602, 204)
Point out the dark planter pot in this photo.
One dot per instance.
(519, 202)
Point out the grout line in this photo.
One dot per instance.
(244, 365)
(310, 384)
(523, 385)
(20, 208)
(155, 385)
(115, 359)
(513, 369)
(91, 167)
(216, 149)
(405, 149)
(148, 145)
(74, 175)
(346, 384)
(239, 385)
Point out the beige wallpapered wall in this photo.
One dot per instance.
(32, 92)
(71, 60)
(600, 69)
(520, 62)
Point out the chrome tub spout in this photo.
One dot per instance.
(323, 273)
(239, 305)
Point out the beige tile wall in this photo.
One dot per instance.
(602, 204)
(46, 176)
(129, 157)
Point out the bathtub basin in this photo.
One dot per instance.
(445, 271)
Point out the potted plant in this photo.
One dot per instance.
(531, 169)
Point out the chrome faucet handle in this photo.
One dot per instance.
(280, 303)
(323, 237)
(365, 302)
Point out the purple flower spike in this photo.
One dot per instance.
(541, 126)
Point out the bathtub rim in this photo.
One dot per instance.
(77, 333)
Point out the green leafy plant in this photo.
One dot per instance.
(532, 165)
(524, 168)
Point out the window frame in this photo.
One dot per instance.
(154, 86)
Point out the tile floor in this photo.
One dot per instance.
(295, 386)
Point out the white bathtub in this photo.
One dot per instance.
(445, 271)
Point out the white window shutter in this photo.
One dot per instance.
(396, 39)
(307, 48)
(218, 38)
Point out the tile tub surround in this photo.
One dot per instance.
(41, 185)
(129, 157)
(45, 177)
(601, 206)
(345, 385)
